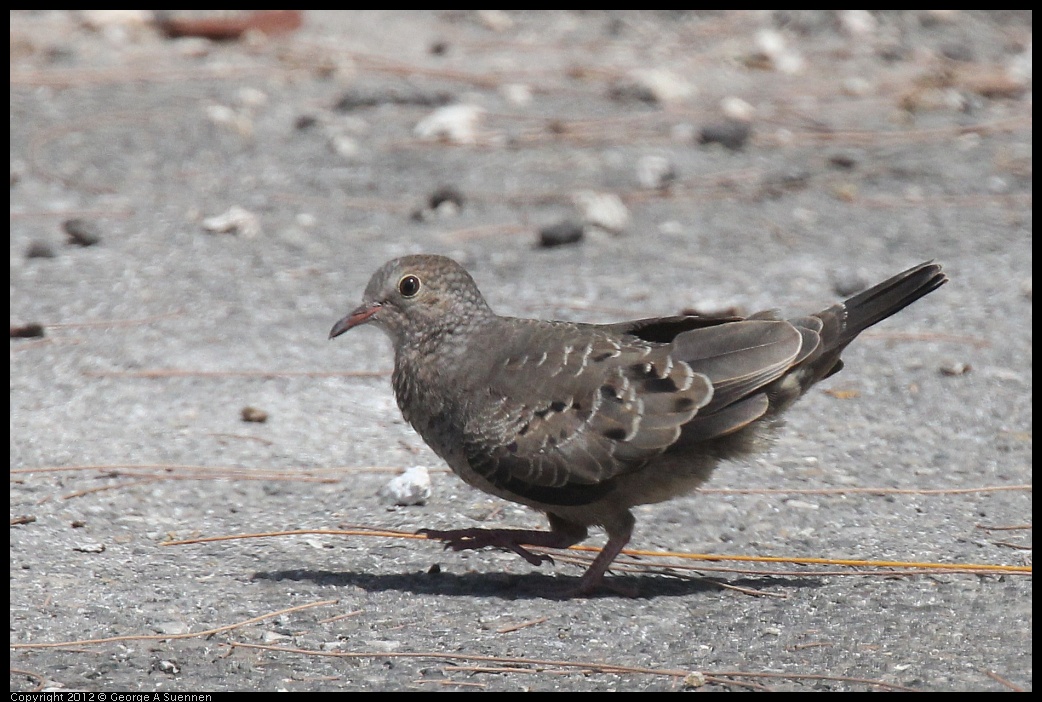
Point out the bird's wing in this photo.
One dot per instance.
(588, 406)
(747, 363)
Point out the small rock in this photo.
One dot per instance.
(106, 20)
(224, 26)
(89, 547)
(655, 172)
(858, 22)
(695, 679)
(496, 20)
(224, 116)
(453, 123)
(443, 195)
(845, 160)
(730, 133)
(235, 220)
(305, 121)
(32, 330)
(252, 414)
(736, 108)
(566, 232)
(603, 210)
(39, 249)
(652, 86)
(81, 232)
(955, 368)
(251, 97)
(168, 667)
(413, 487)
(516, 94)
(776, 53)
(345, 146)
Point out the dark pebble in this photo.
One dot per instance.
(81, 232)
(26, 331)
(844, 160)
(39, 249)
(560, 234)
(252, 414)
(445, 194)
(732, 134)
(305, 122)
(631, 92)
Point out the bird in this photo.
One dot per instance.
(582, 421)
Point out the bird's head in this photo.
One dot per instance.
(413, 296)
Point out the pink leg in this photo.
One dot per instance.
(594, 575)
(509, 539)
(562, 534)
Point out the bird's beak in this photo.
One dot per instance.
(360, 315)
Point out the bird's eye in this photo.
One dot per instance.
(409, 285)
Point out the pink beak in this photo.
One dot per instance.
(359, 315)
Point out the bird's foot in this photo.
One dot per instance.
(508, 539)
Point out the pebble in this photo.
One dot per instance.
(732, 134)
(81, 232)
(453, 123)
(252, 414)
(603, 210)
(565, 232)
(413, 487)
(39, 249)
(235, 220)
(655, 172)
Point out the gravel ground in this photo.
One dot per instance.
(232, 201)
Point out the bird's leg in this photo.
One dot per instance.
(619, 534)
(562, 534)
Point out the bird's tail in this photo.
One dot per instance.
(838, 325)
(845, 320)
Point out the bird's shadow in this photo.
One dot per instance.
(510, 586)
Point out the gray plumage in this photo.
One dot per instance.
(585, 421)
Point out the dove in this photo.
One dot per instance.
(583, 422)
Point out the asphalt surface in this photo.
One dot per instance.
(875, 142)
